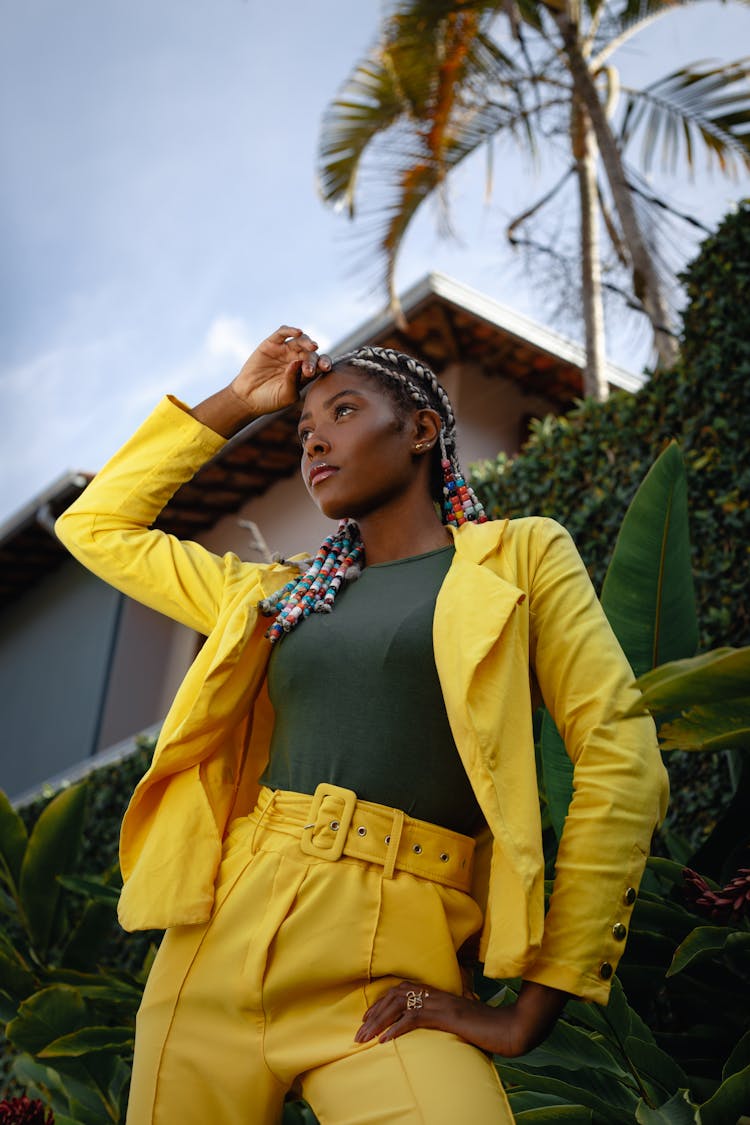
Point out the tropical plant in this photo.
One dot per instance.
(680, 1050)
(442, 82)
(703, 704)
(69, 1022)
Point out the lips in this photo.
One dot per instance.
(319, 473)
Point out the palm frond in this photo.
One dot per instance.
(412, 174)
(705, 103)
(617, 26)
(368, 104)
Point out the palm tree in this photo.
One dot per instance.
(439, 84)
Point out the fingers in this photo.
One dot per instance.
(405, 1006)
(314, 365)
(301, 349)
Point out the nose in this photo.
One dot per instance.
(316, 443)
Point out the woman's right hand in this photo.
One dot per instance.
(276, 371)
(269, 380)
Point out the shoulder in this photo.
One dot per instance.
(529, 536)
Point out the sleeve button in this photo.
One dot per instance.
(619, 931)
(629, 896)
(605, 970)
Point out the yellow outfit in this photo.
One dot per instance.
(516, 611)
(302, 946)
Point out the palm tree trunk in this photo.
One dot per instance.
(646, 285)
(595, 382)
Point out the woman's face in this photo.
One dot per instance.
(357, 452)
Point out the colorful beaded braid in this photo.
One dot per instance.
(338, 557)
(314, 591)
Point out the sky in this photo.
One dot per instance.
(159, 213)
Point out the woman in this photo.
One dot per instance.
(306, 833)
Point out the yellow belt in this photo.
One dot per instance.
(334, 823)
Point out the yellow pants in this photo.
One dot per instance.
(267, 996)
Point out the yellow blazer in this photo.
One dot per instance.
(515, 609)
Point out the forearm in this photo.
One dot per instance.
(224, 412)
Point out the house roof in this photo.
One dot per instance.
(445, 321)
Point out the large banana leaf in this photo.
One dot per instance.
(648, 593)
(710, 694)
(679, 1110)
(722, 675)
(52, 850)
(731, 1101)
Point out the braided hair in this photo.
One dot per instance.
(413, 386)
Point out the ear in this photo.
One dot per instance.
(426, 426)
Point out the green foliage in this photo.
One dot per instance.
(70, 1020)
(648, 593)
(584, 468)
(607, 1066)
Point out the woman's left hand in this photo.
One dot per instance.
(507, 1031)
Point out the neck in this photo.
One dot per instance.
(391, 534)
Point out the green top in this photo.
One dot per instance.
(358, 700)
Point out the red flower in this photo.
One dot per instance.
(729, 904)
(23, 1111)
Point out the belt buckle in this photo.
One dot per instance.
(331, 812)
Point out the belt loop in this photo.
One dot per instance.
(393, 841)
(266, 808)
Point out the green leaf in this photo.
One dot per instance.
(615, 1023)
(679, 1110)
(615, 1105)
(570, 1048)
(13, 839)
(656, 1069)
(730, 1101)
(557, 772)
(40, 1081)
(96, 890)
(703, 942)
(720, 675)
(648, 593)
(95, 927)
(723, 727)
(15, 978)
(51, 851)
(46, 1016)
(739, 1057)
(71, 1094)
(90, 1040)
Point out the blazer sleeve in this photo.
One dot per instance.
(620, 786)
(108, 528)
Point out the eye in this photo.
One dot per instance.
(303, 435)
(342, 408)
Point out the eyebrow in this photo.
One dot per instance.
(330, 401)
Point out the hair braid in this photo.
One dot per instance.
(337, 558)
